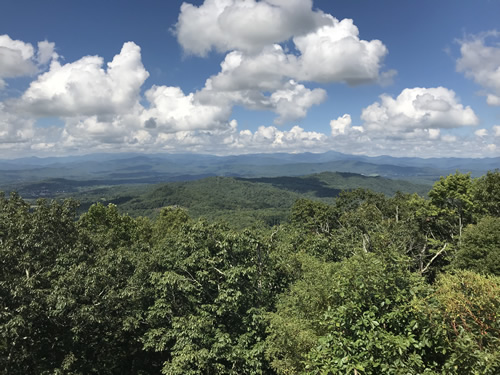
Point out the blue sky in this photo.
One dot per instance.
(403, 78)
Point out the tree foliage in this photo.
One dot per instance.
(368, 284)
(480, 247)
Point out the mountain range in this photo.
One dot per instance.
(128, 168)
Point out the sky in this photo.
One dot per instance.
(386, 77)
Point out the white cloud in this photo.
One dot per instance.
(246, 25)
(16, 59)
(481, 62)
(171, 120)
(334, 53)
(171, 110)
(217, 141)
(229, 139)
(103, 110)
(271, 139)
(294, 100)
(83, 87)
(261, 82)
(114, 129)
(266, 71)
(46, 52)
(434, 133)
(387, 78)
(257, 71)
(449, 138)
(481, 132)
(342, 126)
(493, 100)
(417, 108)
(13, 127)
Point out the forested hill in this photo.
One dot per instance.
(328, 184)
(239, 201)
(368, 284)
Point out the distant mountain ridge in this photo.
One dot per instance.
(257, 159)
(127, 168)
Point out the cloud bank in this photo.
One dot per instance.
(279, 56)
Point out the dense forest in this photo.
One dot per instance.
(365, 284)
(239, 202)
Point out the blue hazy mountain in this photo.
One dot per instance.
(125, 168)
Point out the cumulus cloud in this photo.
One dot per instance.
(102, 107)
(496, 130)
(270, 138)
(434, 133)
(84, 87)
(229, 139)
(257, 71)
(265, 71)
(171, 110)
(387, 78)
(329, 50)
(114, 129)
(46, 52)
(294, 100)
(334, 53)
(417, 122)
(261, 82)
(219, 140)
(13, 127)
(449, 138)
(16, 59)
(417, 108)
(480, 61)
(246, 25)
(493, 100)
(331, 53)
(343, 126)
(481, 132)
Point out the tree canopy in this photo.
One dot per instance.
(368, 284)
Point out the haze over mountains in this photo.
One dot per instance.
(126, 168)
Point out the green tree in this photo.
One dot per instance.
(486, 194)
(314, 216)
(453, 195)
(466, 306)
(480, 247)
(357, 315)
(209, 286)
(430, 239)
(99, 312)
(32, 239)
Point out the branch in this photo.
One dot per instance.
(366, 239)
(433, 258)
(273, 234)
(219, 271)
